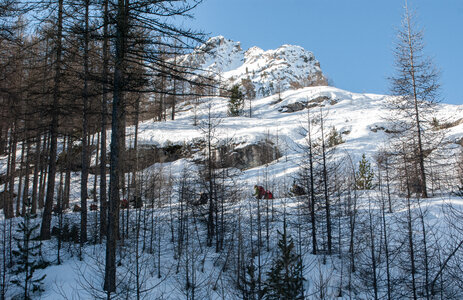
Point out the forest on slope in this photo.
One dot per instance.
(139, 159)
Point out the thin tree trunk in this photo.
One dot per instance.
(43, 170)
(21, 164)
(424, 192)
(372, 251)
(85, 149)
(385, 236)
(35, 180)
(312, 189)
(410, 229)
(117, 138)
(104, 110)
(46, 217)
(12, 174)
(67, 180)
(325, 187)
(26, 200)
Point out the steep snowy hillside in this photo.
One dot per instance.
(206, 235)
(358, 118)
(164, 244)
(269, 71)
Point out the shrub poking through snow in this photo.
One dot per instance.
(334, 138)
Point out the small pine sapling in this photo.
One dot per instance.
(284, 279)
(27, 258)
(334, 138)
(236, 102)
(364, 176)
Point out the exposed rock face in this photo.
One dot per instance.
(297, 106)
(147, 156)
(247, 157)
(300, 105)
(72, 159)
(450, 124)
(376, 128)
(150, 154)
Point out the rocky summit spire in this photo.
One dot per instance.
(271, 71)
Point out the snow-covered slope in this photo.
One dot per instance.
(269, 71)
(359, 118)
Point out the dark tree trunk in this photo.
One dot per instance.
(311, 187)
(21, 164)
(11, 171)
(43, 170)
(35, 181)
(117, 138)
(46, 217)
(67, 179)
(85, 150)
(325, 187)
(104, 110)
(26, 181)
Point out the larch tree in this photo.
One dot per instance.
(141, 28)
(415, 85)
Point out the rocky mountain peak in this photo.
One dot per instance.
(270, 71)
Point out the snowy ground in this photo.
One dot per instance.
(82, 279)
(354, 115)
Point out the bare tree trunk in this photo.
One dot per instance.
(211, 174)
(43, 170)
(67, 180)
(21, 164)
(311, 186)
(46, 217)
(372, 251)
(410, 229)
(104, 110)
(85, 150)
(325, 187)
(385, 234)
(425, 251)
(412, 74)
(35, 181)
(9, 212)
(6, 196)
(26, 200)
(174, 88)
(117, 139)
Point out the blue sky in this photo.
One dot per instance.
(352, 39)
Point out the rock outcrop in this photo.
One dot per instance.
(246, 157)
(300, 105)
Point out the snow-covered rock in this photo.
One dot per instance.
(269, 71)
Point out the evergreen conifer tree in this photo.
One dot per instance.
(248, 282)
(236, 102)
(27, 258)
(364, 176)
(284, 280)
(334, 138)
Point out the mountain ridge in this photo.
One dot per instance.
(269, 71)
